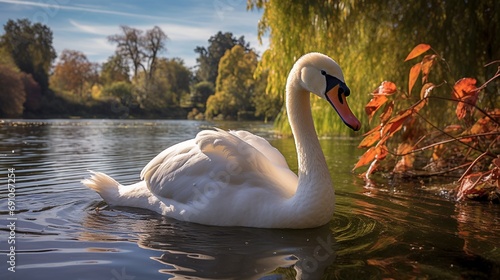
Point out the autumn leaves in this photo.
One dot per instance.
(473, 141)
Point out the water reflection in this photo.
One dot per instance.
(205, 252)
(474, 227)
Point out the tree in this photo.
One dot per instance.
(177, 75)
(209, 58)
(121, 90)
(74, 73)
(140, 48)
(266, 105)
(370, 46)
(200, 93)
(33, 93)
(129, 46)
(115, 69)
(6, 58)
(12, 95)
(153, 43)
(30, 46)
(235, 85)
(168, 83)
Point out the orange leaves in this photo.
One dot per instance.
(374, 153)
(386, 88)
(480, 186)
(375, 140)
(425, 141)
(371, 137)
(381, 134)
(464, 87)
(379, 97)
(426, 90)
(418, 50)
(387, 128)
(424, 66)
(375, 103)
(485, 124)
(414, 72)
(386, 114)
(465, 90)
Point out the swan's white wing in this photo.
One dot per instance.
(263, 146)
(219, 161)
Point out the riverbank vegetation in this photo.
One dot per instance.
(370, 39)
(420, 140)
(137, 81)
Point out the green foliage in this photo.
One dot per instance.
(6, 59)
(115, 69)
(266, 105)
(209, 58)
(30, 46)
(121, 90)
(362, 36)
(235, 86)
(200, 93)
(153, 89)
(169, 82)
(12, 94)
(217, 105)
(177, 77)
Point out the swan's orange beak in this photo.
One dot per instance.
(339, 103)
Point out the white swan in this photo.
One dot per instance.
(238, 179)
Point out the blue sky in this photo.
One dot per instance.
(84, 25)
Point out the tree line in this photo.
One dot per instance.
(136, 81)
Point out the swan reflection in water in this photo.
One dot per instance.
(192, 250)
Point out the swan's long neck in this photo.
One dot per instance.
(315, 197)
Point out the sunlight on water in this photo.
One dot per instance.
(65, 231)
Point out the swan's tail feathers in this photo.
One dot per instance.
(105, 186)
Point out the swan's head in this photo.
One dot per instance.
(322, 76)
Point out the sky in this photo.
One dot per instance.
(84, 25)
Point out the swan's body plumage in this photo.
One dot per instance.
(235, 178)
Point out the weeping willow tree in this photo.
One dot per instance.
(370, 40)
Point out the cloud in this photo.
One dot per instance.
(54, 6)
(97, 49)
(103, 30)
(175, 32)
(86, 26)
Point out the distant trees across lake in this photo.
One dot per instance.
(136, 81)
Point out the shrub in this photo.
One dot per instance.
(12, 94)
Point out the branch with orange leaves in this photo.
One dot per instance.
(454, 139)
(474, 135)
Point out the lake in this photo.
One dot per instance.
(62, 230)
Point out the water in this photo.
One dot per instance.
(65, 231)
